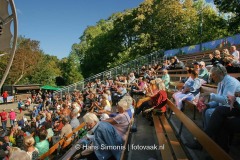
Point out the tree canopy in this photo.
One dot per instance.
(152, 26)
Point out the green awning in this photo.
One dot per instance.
(50, 88)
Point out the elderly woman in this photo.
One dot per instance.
(29, 147)
(103, 135)
(105, 106)
(121, 121)
(190, 90)
(151, 100)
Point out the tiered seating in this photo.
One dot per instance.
(62, 144)
(173, 148)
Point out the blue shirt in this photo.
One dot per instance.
(226, 87)
(105, 138)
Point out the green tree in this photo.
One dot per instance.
(46, 70)
(70, 69)
(26, 58)
(232, 8)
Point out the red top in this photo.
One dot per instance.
(5, 95)
(60, 126)
(3, 116)
(160, 99)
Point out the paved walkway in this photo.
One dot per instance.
(14, 105)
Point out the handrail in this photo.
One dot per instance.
(153, 56)
(59, 143)
(208, 144)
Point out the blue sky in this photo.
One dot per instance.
(58, 24)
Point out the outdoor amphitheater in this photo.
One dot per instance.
(181, 103)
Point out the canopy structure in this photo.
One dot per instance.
(50, 88)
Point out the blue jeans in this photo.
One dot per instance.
(208, 113)
(12, 123)
(4, 125)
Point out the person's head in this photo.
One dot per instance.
(122, 106)
(202, 64)
(65, 120)
(225, 52)
(172, 60)
(43, 134)
(131, 74)
(218, 71)
(196, 65)
(74, 113)
(165, 71)
(28, 141)
(217, 54)
(19, 155)
(233, 48)
(160, 84)
(128, 99)
(38, 117)
(194, 74)
(74, 105)
(90, 120)
(47, 125)
(6, 138)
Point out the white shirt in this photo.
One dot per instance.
(235, 54)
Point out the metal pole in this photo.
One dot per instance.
(14, 18)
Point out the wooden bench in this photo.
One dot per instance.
(62, 144)
(204, 89)
(169, 145)
(73, 149)
(172, 146)
(124, 152)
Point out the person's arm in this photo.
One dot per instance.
(111, 121)
(229, 89)
(196, 85)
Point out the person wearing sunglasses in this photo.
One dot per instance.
(227, 86)
(220, 127)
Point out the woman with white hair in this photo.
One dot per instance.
(157, 101)
(103, 135)
(160, 86)
(121, 121)
(29, 147)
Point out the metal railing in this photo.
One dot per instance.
(126, 68)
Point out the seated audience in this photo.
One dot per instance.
(101, 134)
(29, 147)
(203, 73)
(165, 78)
(121, 121)
(43, 145)
(216, 57)
(157, 101)
(176, 64)
(226, 86)
(67, 128)
(235, 53)
(190, 91)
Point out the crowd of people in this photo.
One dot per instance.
(52, 117)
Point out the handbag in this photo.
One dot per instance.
(201, 104)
